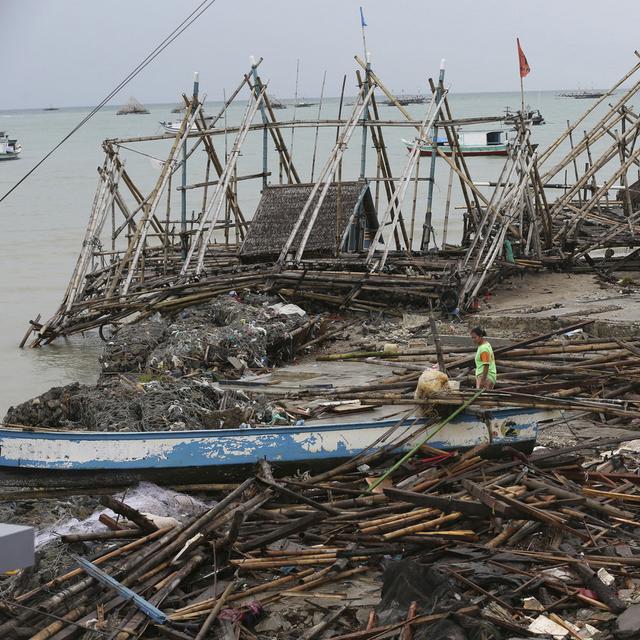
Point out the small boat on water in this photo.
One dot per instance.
(472, 143)
(405, 100)
(582, 95)
(303, 103)
(532, 115)
(174, 126)
(9, 147)
(225, 451)
(588, 95)
(275, 103)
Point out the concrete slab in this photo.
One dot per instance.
(17, 545)
(540, 302)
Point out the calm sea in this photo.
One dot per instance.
(42, 223)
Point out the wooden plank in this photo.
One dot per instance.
(446, 504)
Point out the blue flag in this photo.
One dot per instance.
(362, 22)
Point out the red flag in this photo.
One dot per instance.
(524, 65)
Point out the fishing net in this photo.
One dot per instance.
(223, 336)
(254, 332)
(159, 405)
(129, 349)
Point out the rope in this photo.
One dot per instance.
(185, 24)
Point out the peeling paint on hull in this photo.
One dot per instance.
(94, 450)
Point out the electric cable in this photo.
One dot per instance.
(185, 24)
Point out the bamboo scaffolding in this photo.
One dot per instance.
(143, 271)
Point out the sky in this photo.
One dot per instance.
(74, 52)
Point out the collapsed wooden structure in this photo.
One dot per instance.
(348, 243)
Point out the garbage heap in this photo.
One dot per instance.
(161, 374)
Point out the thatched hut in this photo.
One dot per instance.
(347, 217)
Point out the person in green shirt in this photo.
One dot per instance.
(486, 373)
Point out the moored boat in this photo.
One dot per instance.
(405, 100)
(275, 103)
(532, 116)
(224, 451)
(472, 143)
(9, 147)
(174, 126)
(582, 95)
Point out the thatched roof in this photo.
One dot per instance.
(281, 205)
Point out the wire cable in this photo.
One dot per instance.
(183, 26)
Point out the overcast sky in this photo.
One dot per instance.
(73, 52)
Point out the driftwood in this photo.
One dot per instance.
(131, 514)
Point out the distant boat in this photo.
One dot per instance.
(583, 95)
(50, 108)
(304, 103)
(133, 106)
(472, 143)
(404, 100)
(174, 127)
(9, 148)
(275, 103)
(589, 95)
(179, 109)
(532, 115)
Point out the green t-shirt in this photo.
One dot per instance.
(484, 355)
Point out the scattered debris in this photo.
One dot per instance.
(452, 547)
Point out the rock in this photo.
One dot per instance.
(628, 624)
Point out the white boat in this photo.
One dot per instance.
(9, 148)
(472, 143)
(174, 126)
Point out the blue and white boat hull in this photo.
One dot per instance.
(232, 448)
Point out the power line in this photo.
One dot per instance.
(185, 24)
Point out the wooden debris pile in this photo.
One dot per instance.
(597, 208)
(565, 370)
(446, 541)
